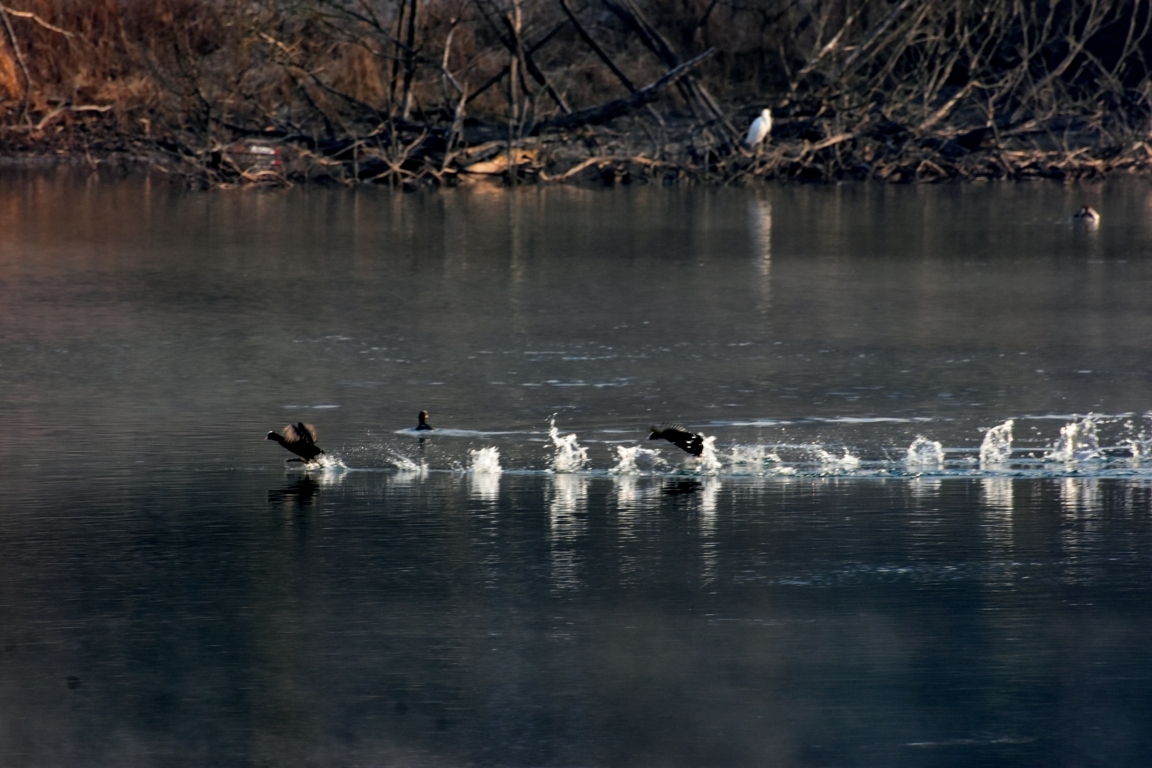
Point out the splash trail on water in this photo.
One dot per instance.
(405, 464)
(996, 449)
(631, 457)
(1078, 442)
(1082, 446)
(924, 454)
(484, 461)
(709, 462)
(569, 455)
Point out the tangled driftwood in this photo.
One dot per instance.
(860, 89)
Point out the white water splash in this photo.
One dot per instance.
(628, 455)
(484, 474)
(997, 446)
(324, 470)
(1140, 444)
(925, 454)
(484, 461)
(709, 462)
(408, 466)
(322, 462)
(569, 456)
(833, 463)
(757, 459)
(752, 455)
(1077, 443)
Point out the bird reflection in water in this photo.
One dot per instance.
(422, 426)
(681, 487)
(298, 496)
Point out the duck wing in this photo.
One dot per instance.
(300, 433)
(680, 437)
(300, 438)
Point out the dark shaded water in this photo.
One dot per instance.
(822, 588)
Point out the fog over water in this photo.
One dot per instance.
(919, 532)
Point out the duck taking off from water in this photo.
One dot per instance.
(760, 128)
(300, 438)
(423, 425)
(1087, 215)
(680, 437)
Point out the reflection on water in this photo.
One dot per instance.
(997, 494)
(1079, 495)
(397, 609)
(628, 500)
(709, 493)
(760, 234)
(925, 487)
(920, 533)
(297, 496)
(568, 521)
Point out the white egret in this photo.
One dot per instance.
(760, 128)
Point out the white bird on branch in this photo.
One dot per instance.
(760, 128)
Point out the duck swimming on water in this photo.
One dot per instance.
(423, 425)
(680, 437)
(1087, 215)
(300, 438)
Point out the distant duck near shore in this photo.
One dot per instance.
(423, 425)
(300, 439)
(680, 437)
(1087, 215)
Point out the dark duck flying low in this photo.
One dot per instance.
(423, 425)
(300, 438)
(680, 437)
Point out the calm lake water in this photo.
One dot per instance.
(920, 533)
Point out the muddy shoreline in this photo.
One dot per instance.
(622, 152)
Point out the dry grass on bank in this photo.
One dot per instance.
(435, 91)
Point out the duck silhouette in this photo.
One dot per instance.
(300, 439)
(423, 425)
(1087, 215)
(680, 437)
